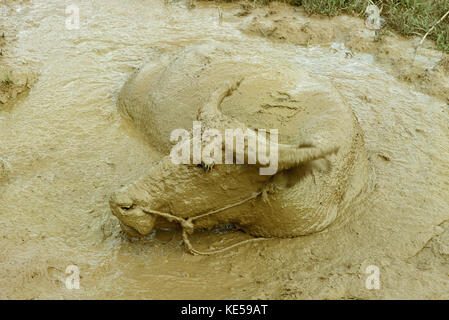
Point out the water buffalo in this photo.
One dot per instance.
(322, 164)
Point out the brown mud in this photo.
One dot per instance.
(64, 149)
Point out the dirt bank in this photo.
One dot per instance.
(66, 149)
(422, 68)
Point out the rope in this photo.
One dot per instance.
(188, 226)
(193, 251)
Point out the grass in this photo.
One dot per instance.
(408, 17)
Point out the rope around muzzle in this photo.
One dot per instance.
(188, 226)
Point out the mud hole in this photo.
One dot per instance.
(64, 149)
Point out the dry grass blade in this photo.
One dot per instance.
(431, 29)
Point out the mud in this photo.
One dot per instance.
(419, 67)
(14, 85)
(67, 149)
(16, 76)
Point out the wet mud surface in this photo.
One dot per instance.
(65, 148)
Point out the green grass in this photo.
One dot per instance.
(408, 17)
(415, 17)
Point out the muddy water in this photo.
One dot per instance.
(66, 149)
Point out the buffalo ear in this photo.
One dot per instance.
(288, 178)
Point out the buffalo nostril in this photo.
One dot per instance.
(127, 207)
